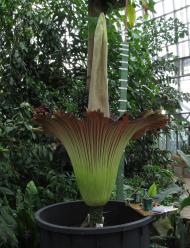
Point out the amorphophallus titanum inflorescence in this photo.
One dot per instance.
(95, 145)
(96, 142)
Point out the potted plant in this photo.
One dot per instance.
(148, 197)
(95, 145)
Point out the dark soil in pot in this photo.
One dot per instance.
(124, 227)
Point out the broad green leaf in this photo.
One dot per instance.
(145, 16)
(31, 188)
(173, 189)
(8, 218)
(6, 191)
(131, 14)
(152, 191)
(2, 149)
(7, 228)
(185, 158)
(163, 226)
(151, 5)
(185, 203)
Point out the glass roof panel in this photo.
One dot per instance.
(168, 6)
(185, 84)
(159, 6)
(172, 49)
(183, 49)
(179, 3)
(186, 66)
(182, 15)
(181, 10)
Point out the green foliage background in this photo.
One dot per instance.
(43, 51)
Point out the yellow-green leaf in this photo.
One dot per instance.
(131, 14)
(152, 190)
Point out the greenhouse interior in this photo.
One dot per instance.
(95, 124)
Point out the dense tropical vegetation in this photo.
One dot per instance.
(43, 51)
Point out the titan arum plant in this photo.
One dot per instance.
(95, 143)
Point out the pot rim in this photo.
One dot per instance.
(88, 230)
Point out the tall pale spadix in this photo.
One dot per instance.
(98, 88)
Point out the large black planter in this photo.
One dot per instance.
(124, 227)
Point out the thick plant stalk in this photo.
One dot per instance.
(98, 88)
(123, 101)
(95, 216)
